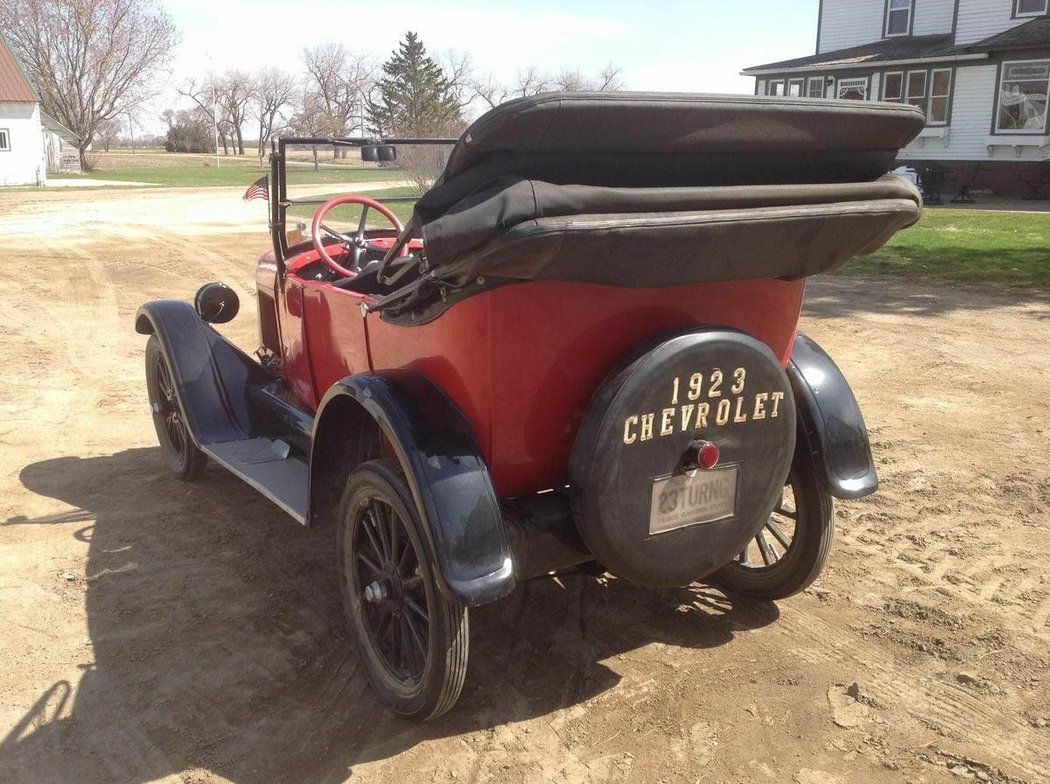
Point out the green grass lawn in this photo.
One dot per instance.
(345, 218)
(969, 246)
(189, 170)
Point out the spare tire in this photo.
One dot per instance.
(641, 503)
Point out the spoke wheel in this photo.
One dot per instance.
(791, 549)
(411, 639)
(180, 453)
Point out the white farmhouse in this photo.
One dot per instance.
(32, 143)
(979, 70)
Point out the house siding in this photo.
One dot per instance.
(846, 23)
(969, 136)
(24, 163)
(980, 19)
(933, 17)
(969, 148)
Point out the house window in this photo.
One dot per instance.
(1030, 7)
(815, 87)
(795, 88)
(1022, 96)
(912, 89)
(940, 95)
(776, 87)
(5, 140)
(898, 17)
(893, 86)
(853, 89)
(916, 89)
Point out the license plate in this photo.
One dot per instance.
(681, 501)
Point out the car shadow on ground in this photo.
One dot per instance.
(217, 640)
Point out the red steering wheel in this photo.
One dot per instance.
(356, 242)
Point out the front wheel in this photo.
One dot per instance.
(790, 551)
(182, 456)
(412, 641)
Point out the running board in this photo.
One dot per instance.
(265, 464)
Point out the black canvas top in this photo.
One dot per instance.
(674, 124)
(645, 189)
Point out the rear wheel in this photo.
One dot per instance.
(182, 456)
(790, 551)
(412, 641)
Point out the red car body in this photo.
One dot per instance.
(580, 352)
(521, 362)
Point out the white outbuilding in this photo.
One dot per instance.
(32, 143)
(22, 159)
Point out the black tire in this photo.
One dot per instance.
(179, 451)
(803, 525)
(412, 641)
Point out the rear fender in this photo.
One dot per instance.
(831, 428)
(211, 375)
(463, 526)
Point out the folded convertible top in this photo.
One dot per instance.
(654, 190)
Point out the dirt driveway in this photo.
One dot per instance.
(152, 630)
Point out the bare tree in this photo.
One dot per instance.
(233, 92)
(272, 92)
(337, 81)
(610, 78)
(572, 81)
(531, 81)
(89, 59)
(204, 93)
(107, 132)
(491, 92)
(189, 130)
(313, 119)
(463, 81)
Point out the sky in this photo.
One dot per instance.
(698, 46)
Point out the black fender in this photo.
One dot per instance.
(831, 428)
(211, 375)
(463, 525)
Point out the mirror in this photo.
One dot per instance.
(216, 303)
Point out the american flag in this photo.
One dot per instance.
(257, 190)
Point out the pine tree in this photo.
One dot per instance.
(414, 97)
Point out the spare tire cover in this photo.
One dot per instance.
(641, 505)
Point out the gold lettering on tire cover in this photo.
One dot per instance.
(628, 436)
(722, 415)
(760, 405)
(667, 421)
(687, 415)
(701, 415)
(739, 416)
(739, 375)
(777, 397)
(647, 427)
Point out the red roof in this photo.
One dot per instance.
(14, 86)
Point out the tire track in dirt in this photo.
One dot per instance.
(1000, 583)
(947, 708)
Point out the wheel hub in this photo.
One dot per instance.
(375, 592)
(388, 589)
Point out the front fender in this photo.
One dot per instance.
(831, 427)
(211, 375)
(462, 522)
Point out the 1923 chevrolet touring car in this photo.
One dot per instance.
(580, 350)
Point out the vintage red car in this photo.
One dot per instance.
(580, 352)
